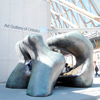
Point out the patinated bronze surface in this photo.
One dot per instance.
(78, 45)
(20, 76)
(46, 67)
(48, 64)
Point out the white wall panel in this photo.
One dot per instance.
(16, 15)
(3, 70)
(17, 2)
(3, 44)
(4, 13)
(0, 10)
(26, 14)
(13, 38)
(5, 1)
(28, 19)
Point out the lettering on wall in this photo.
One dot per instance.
(21, 28)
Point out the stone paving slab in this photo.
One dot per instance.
(59, 93)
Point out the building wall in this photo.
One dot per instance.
(19, 18)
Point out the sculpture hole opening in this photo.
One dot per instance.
(70, 63)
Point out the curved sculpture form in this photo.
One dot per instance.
(76, 44)
(20, 76)
(46, 65)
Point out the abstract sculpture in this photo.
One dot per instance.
(46, 67)
(76, 44)
(19, 77)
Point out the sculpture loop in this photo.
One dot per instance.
(78, 45)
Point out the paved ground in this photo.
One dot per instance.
(59, 93)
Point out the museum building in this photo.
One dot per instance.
(19, 18)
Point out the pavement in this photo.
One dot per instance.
(59, 93)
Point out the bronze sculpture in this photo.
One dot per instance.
(46, 67)
(78, 45)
